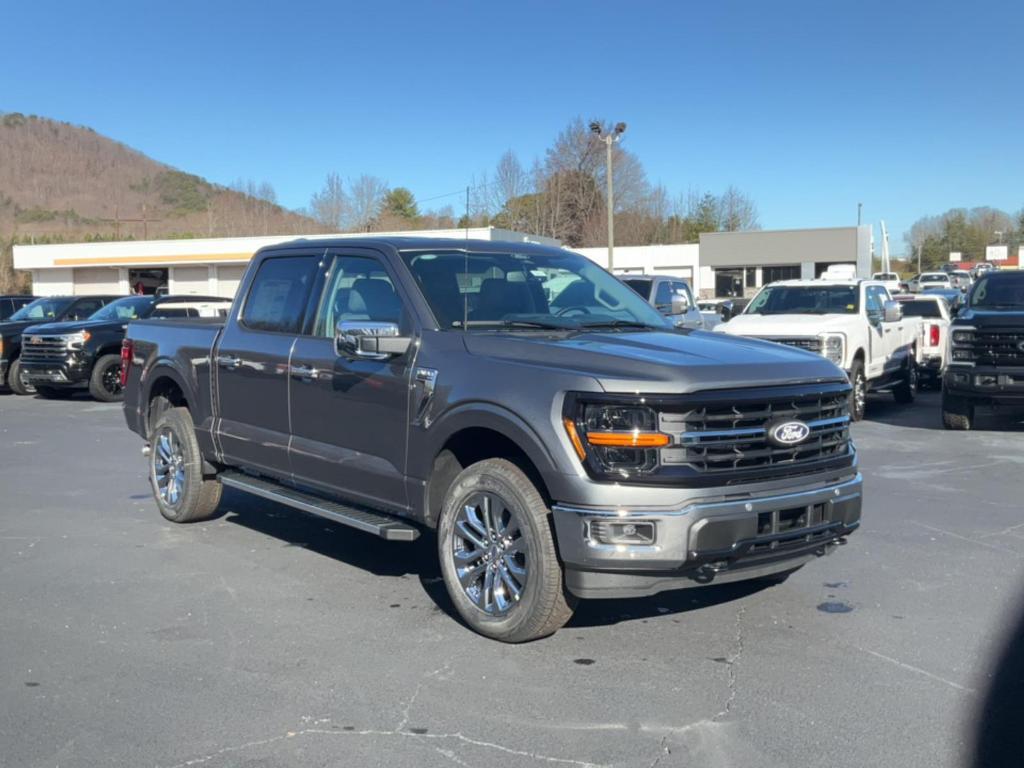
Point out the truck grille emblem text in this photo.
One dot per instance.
(788, 433)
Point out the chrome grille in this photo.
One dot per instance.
(810, 343)
(998, 347)
(721, 439)
(43, 349)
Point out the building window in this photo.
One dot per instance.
(751, 277)
(774, 274)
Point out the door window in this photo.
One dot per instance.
(680, 288)
(663, 296)
(358, 288)
(84, 308)
(278, 295)
(875, 303)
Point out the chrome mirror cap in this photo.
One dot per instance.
(369, 339)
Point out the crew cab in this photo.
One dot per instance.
(59, 358)
(42, 310)
(986, 365)
(669, 295)
(853, 323)
(563, 438)
(934, 315)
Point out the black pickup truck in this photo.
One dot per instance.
(44, 310)
(986, 363)
(560, 435)
(59, 358)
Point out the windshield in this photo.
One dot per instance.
(641, 285)
(885, 276)
(999, 291)
(921, 308)
(934, 278)
(125, 309)
(805, 300)
(43, 309)
(526, 290)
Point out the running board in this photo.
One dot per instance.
(377, 523)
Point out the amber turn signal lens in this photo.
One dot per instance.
(628, 439)
(570, 427)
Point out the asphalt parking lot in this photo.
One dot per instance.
(269, 638)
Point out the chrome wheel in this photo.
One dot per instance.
(169, 467)
(860, 394)
(490, 553)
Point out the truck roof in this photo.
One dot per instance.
(416, 244)
(819, 282)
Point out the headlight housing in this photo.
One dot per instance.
(77, 339)
(833, 347)
(621, 439)
(962, 346)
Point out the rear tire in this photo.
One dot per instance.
(498, 555)
(182, 494)
(905, 392)
(105, 381)
(16, 381)
(859, 393)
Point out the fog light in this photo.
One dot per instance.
(986, 381)
(961, 378)
(617, 532)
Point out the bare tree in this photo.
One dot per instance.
(510, 181)
(330, 206)
(366, 194)
(737, 211)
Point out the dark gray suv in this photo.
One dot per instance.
(561, 436)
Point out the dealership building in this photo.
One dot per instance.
(722, 264)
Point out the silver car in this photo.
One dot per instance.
(669, 295)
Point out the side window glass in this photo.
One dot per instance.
(358, 288)
(278, 295)
(83, 309)
(682, 289)
(663, 296)
(875, 304)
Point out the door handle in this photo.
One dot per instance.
(229, 361)
(304, 373)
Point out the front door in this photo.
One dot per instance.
(252, 363)
(349, 414)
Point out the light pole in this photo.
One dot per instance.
(609, 139)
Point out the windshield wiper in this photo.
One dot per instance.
(621, 324)
(513, 324)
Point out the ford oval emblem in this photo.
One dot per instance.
(1020, 346)
(788, 433)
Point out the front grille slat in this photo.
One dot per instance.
(718, 440)
(43, 350)
(998, 347)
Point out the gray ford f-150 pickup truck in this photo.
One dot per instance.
(562, 437)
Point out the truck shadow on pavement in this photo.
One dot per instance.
(926, 413)
(419, 559)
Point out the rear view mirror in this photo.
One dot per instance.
(892, 312)
(369, 339)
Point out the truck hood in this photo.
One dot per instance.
(662, 362)
(784, 325)
(74, 326)
(990, 318)
(15, 328)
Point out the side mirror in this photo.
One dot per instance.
(892, 312)
(369, 340)
(726, 311)
(680, 305)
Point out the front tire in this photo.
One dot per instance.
(16, 379)
(182, 494)
(859, 393)
(105, 381)
(957, 413)
(498, 556)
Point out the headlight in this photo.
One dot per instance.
(833, 347)
(77, 339)
(963, 355)
(963, 336)
(621, 438)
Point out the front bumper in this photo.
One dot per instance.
(985, 384)
(705, 542)
(56, 373)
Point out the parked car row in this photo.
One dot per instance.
(59, 344)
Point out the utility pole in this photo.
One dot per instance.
(609, 139)
(919, 258)
(859, 206)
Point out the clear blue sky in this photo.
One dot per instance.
(910, 108)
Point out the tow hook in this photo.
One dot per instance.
(146, 450)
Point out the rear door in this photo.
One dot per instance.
(252, 358)
(349, 415)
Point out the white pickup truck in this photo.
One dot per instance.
(933, 316)
(854, 323)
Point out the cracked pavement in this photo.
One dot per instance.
(269, 638)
